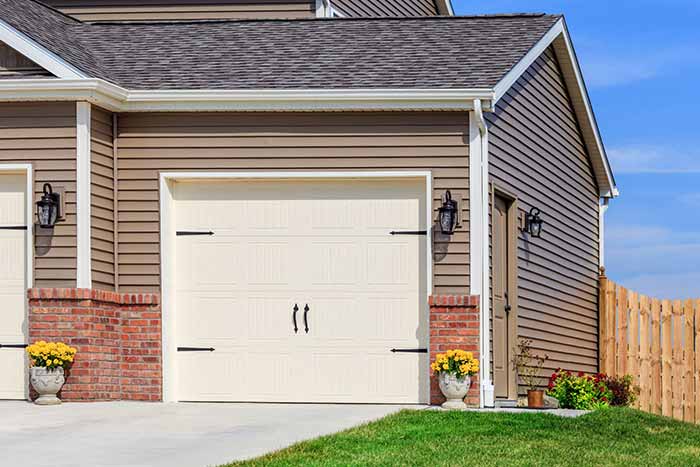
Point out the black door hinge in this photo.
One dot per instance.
(184, 233)
(409, 350)
(13, 227)
(14, 346)
(408, 232)
(195, 349)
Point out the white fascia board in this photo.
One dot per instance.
(83, 196)
(598, 150)
(37, 53)
(118, 99)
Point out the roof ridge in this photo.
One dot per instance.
(306, 20)
(57, 11)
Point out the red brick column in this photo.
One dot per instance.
(454, 324)
(118, 337)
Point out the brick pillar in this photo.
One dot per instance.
(454, 324)
(118, 337)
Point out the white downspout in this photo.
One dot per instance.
(479, 239)
(602, 209)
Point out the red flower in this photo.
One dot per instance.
(581, 374)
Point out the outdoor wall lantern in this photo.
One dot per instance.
(448, 214)
(533, 223)
(48, 208)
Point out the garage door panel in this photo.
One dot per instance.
(205, 264)
(335, 263)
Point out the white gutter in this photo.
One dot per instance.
(118, 99)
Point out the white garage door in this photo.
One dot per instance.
(12, 286)
(322, 248)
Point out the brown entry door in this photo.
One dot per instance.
(503, 324)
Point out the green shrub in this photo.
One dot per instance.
(581, 392)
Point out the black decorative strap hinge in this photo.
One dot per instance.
(13, 227)
(409, 350)
(408, 232)
(184, 233)
(195, 349)
(13, 346)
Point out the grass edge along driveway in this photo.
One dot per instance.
(609, 437)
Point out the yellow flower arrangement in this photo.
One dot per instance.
(51, 354)
(459, 362)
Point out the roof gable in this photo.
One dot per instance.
(558, 37)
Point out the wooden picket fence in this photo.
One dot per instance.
(657, 342)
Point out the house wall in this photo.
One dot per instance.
(536, 152)
(359, 8)
(154, 142)
(44, 134)
(102, 199)
(144, 10)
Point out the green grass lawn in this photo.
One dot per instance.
(612, 437)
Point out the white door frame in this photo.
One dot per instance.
(26, 169)
(167, 246)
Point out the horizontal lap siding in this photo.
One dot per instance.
(130, 10)
(44, 135)
(536, 152)
(150, 143)
(102, 208)
(361, 8)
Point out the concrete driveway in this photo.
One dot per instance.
(170, 435)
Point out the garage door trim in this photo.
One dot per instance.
(27, 172)
(167, 245)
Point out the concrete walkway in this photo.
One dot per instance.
(169, 435)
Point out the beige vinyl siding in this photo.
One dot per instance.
(102, 199)
(145, 10)
(363, 8)
(43, 134)
(537, 152)
(14, 65)
(151, 143)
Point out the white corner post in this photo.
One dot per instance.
(479, 239)
(82, 196)
(602, 209)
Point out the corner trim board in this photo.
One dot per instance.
(83, 197)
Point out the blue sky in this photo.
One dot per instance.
(641, 61)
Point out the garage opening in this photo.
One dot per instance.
(296, 290)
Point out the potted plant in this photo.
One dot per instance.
(48, 361)
(454, 369)
(529, 365)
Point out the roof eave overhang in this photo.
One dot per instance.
(558, 37)
(118, 99)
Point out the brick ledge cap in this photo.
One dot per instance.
(50, 293)
(454, 300)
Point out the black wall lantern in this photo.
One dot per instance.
(533, 223)
(448, 214)
(48, 208)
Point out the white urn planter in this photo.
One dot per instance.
(455, 389)
(47, 383)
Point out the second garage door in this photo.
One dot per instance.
(301, 291)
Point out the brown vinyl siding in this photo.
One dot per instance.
(43, 134)
(536, 151)
(102, 202)
(363, 8)
(151, 143)
(148, 10)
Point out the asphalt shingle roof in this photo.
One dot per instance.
(438, 52)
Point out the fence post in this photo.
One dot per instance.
(688, 362)
(603, 320)
(656, 356)
(644, 362)
(678, 360)
(697, 361)
(666, 356)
